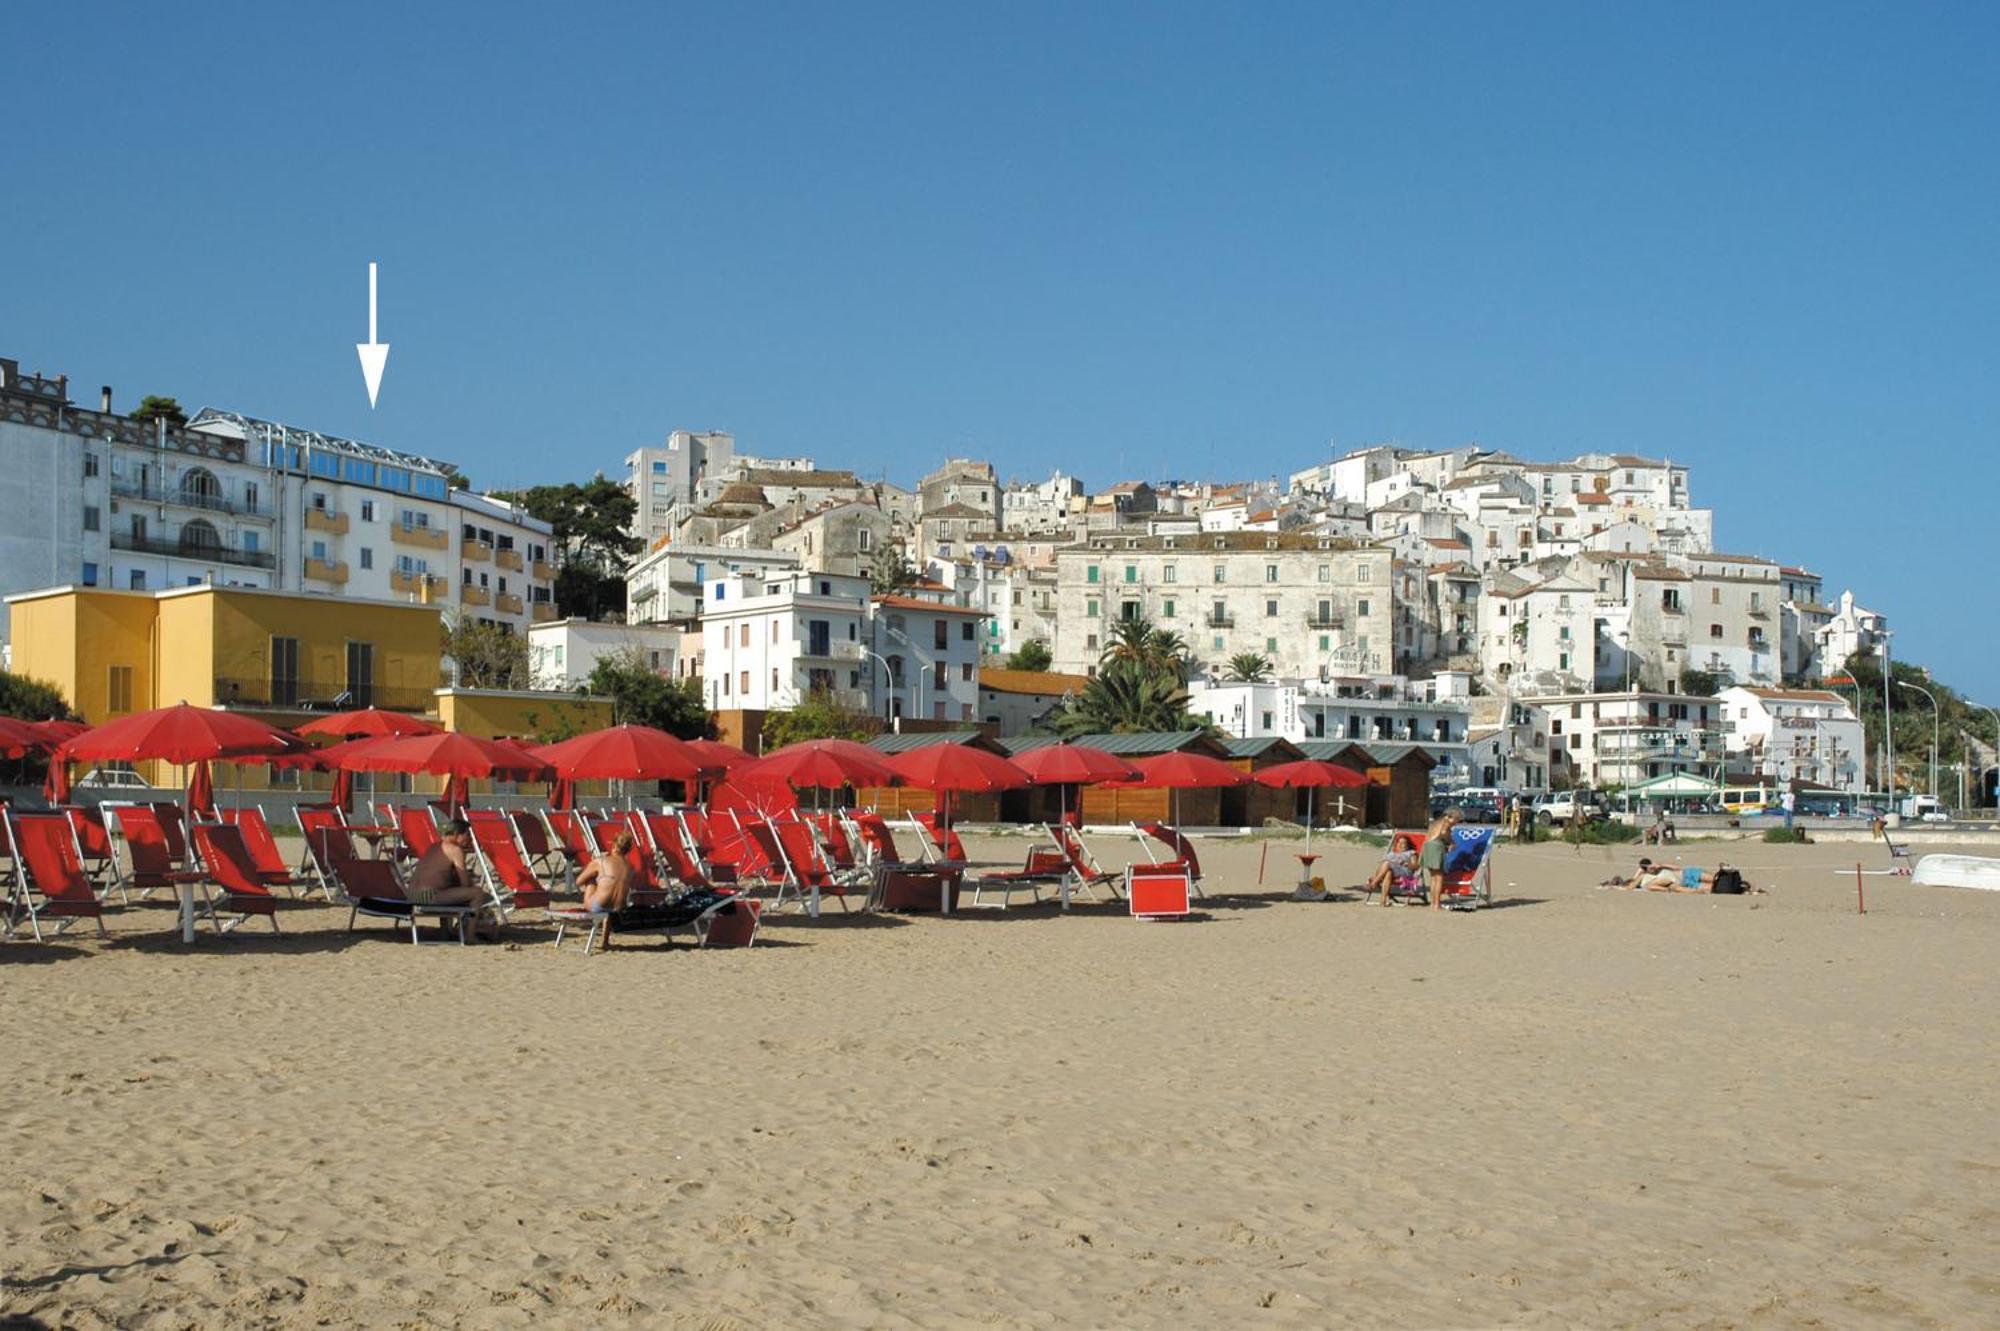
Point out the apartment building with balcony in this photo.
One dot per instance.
(1369, 713)
(1606, 739)
(771, 640)
(668, 584)
(1317, 607)
(1808, 735)
(929, 647)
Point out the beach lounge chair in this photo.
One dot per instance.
(1179, 844)
(418, 833)
(940, 845)
(914, 887)
(374, 888)
(173, 826)
(100, 861)
(569, 836)
(645, 888)
(327, 846)
(717, 919)
(1046, 867)
(226, 862)
(263, 847)
(1159, 891)
(1085, 873)
(1468, 871)
(510, 881)
(149, 862)
(533, 834)
(878, 839)
(50, 881)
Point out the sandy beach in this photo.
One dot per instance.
(1584, 1108)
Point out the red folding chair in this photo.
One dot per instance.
(1181, 847)
(533, 835)
(51, 881)
(263, 847)
(227, 863)
(100, 861)
(1158, 891)
(148, 849)
(416, 829)
(1084, 870)
(509, 879)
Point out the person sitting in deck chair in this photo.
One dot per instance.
(443, 876)
(1398, 869)
(607, 880)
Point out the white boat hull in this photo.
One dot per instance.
(1958, 871)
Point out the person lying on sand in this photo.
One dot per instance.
(607, 879)
(1399, 865)
(1668, 878)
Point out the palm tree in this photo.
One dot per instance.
(1128, 641)
(1248, 668)
(1125, 696)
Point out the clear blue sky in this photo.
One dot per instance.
(1145, 240)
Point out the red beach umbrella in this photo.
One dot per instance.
(1311, 775)
(18, 737)
(369, 722)
(623, 753)
(1181, 770)
(180, 734)
(827, 764)
(448, 754)
(1069, 765)
(716, 756)
(57, 731)
(950, 768)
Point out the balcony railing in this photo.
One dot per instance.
(1219, 621)
(1315, 620)
(327, 520)
(543, 612)
(326, 570)
(155, 494)
(508, 604)
(509, 559)
(409, 533)
(416, 584)
(198, 551)
(471, 593)
(317, 695)
(475, 552)
(542, 571)
(847, 653)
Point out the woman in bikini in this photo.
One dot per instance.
(607, 880)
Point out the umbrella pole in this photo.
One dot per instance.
(1309, 820)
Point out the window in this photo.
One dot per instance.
(361, 673)
(89, 465)
(940, 635)
(659, 469)
(937, 675)
(1364, 573)
(1131, 573)
(1090, 641)
(965, 631)
(1090, 573)
(136, 580)
(284, 671)
(1326, 573)
(1326, 642)
(92, 519)
(1270, 644)
(1171, 573)
(1090, 608)
(1715, 630)
(319, 552)
(965, 672)
(1215, 643)
(368, 510)
(1270, 572)
(118, 688)
(251, 541)
(367, 557)
(867, 539)
(1166, 610)
(90, 575)
(743, 684)
(1270, 609)
(1222, 573)
(1715, 596)
(743, 640)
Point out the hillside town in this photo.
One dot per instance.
(1526, 623)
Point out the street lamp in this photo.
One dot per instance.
(888, 683)
(1905, 684)
(1888, 721)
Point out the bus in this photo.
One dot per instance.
(1750, 799)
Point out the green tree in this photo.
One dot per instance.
(1248, 668)
(165, 408)
(32, 699)
(458, 480)
(820, 716)
(487, 657)
(1699, 683)
(1157, 650)
(891, 570)
(641, 696)
(593, 545)
(1033, 654)
(1125, 696)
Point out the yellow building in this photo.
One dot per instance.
(535, 716)
(272, 653)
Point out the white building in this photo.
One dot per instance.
(1386, 714)
(664, 481)
(1809, 735)
(563, 652)
(1316, 607)
(1850, 631)
(1606, 739)
(1041, 506)
(772, 640)
(929, 647)
(98, 499)
(668, 583)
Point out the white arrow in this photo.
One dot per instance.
(374, 355)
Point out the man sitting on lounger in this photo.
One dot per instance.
(443, 876)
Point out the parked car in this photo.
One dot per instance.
(114, 778)
(1478, 809)
(1562, 806)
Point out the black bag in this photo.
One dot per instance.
(1728, 882)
